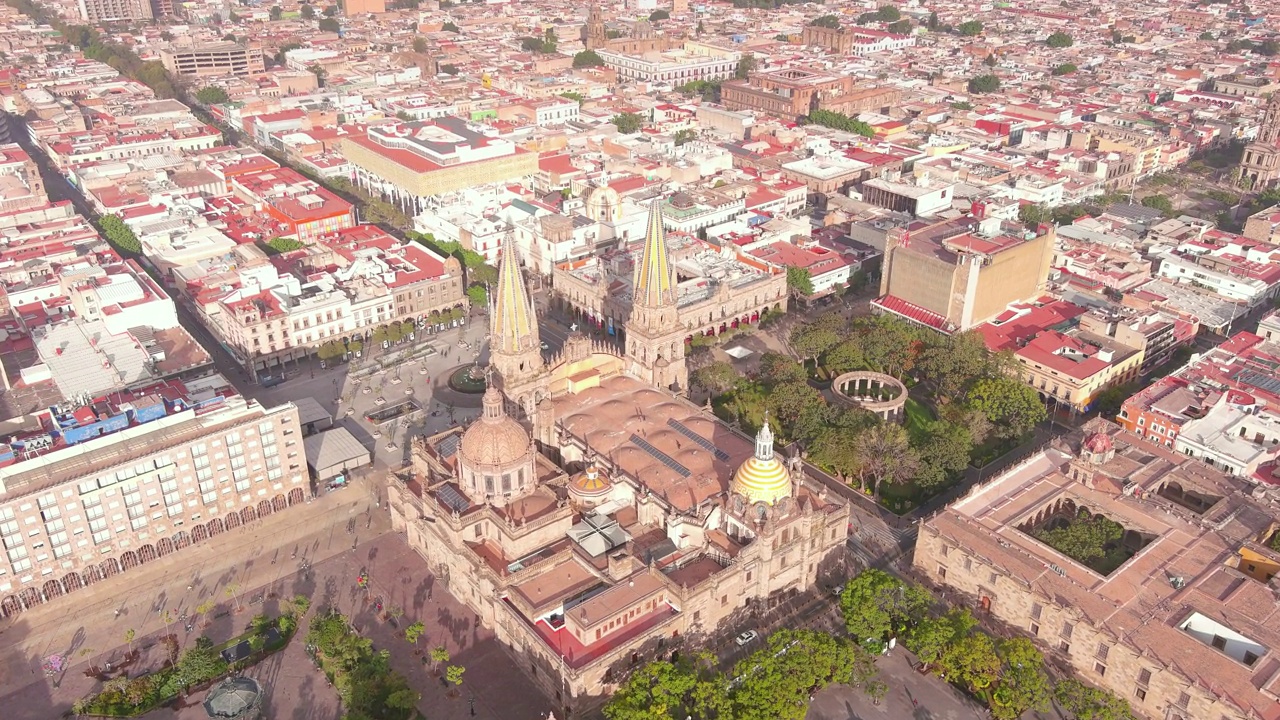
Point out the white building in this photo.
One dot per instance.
(1235, 436)
(695, 61)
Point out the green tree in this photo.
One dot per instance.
(775, 683)
(746, 66)
(888, 14)
(902, 27)
(877, 606)
(200, 663)
(280, 56)
(972, 661)
(885, 456)
(813, 339)
(665, 690)
(826, 21)
(1087, 703)
(628, 123)
(1012, 407)
(1065, 69)
(1023, 683)
(684, 136)
(944, 453)
(1159, 202)
(257, 642)
(449, 69)
(439, 655)
(414, 631)
(840, 121)
(307, 12)
(984, 84)
(1206, 35)
(329, 25)
(420, 45)
(275, 13)
(659, 14)
(1059, 40)
(478, 296)
(1084, 537)
(450, 27)
(453, 674)
(952, 362)
(717, 378)
(1033, 214)
(119, 235)
(587, 58)
(278, 245)
(970, 28)
(799, 280)
(212, 95)
(932, 637)
(932, 22)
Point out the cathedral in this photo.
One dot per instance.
(594, 518)
(1260, 165)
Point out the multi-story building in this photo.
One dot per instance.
(108, 10)
(1173, 614)
(584, 547)
(956, 274)
(361, 7)
(224, 58)
(339, 288)
(722, 289)
(795, 92)
(21, 185)
(1260, 166)
(415, 161)
(303, 208)
(694, 61)
(118, 482)
(855, 40)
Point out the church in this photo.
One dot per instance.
(593, 517)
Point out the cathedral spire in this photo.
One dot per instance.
(654, 279)
(512, 325)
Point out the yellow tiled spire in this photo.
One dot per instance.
(654, 280)
(512, 325)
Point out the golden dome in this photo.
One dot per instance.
(495, 439)
(762, 478)
(590, 485)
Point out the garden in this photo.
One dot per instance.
(362, 676)
(965, 406)
(200, 666)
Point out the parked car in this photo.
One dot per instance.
(746, 637)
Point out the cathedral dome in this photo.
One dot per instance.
(590, 487)
(763, 477)
(495, 440)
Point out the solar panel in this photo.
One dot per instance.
(685, 431)
(448, 447)
(1260, 381)
(661, 457)
(454, 499)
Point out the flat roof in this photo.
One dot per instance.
(334, 447)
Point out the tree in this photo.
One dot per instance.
(299, 605)
(717, 378)
(331, 11)
(229, 37)
(954, 361)
(281, 54)
(932, 22)
(1065, 69)
(329, 25)
(840, 121)
(119, 235)
(799, 280)
(1059, 40)
(826, 21)
(932, 637)
(685, 136)
(1084, 537)
(420, 45)
(307, 12)
(257, 642)
(478, 296)
(129, 635)
(902, 27)
(673, 690)
(886, 456)
(1023, 683)
(944, 453)
(813, 339)
(439, 655)
(1013, 408)
(775, 683)
(659, 14)
(1267, 47)
(970, 28)
(587, 58)
(200, 663)
(888, 14)
(453, 674)
(701, 28)
(279, 245)
(1206, 35)
(1159, 202)
(984, 84)
(877, 606)
(275, 13)
(746, 66)
(414, 631)
(972, 661)
(449, 69)
(1087, 703)
(628, 123)
(450, 27)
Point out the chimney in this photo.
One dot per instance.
(620, 566)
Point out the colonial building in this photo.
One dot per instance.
(795, 92)
(656, 296)
(1174, 613)
(618, 518)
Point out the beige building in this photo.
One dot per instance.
(1177, 614)
(107, 10)
(71, 515)
(956, 274)
(1260, 166)
(226, 58)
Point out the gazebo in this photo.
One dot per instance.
(236, 698)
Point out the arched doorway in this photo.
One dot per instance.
(233, 521)
(264, 508)
(10, 606)
(215, 526)
(129, 560)
(72, 582)
(247, 515)
(199, 533)
(278, 503)
(181, 540)
(295, 496)
(30, 597)
(110, 567)
(92, 575)
(53, 589)
(164, 546)
(146, 553)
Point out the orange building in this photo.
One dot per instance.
(360, 7)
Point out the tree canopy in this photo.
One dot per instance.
(212, 95)
(970, 28)
(984, 84)
(659, 14)
(628, 123)
(840, 121)
(119, 235)
(1065, 69)
(799, 280)
(1059, 40)
(1012, 407)
(587, 58)
(329, 24)
(878, 606)
(826, 21)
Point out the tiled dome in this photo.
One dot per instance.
(590, 485)
(762, 478)
(495, 439)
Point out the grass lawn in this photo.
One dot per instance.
(918, 417)
(994, 447)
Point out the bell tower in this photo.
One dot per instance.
(596, 35)
(515, 348)
(655, 335)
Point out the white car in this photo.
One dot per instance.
(746, 637)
